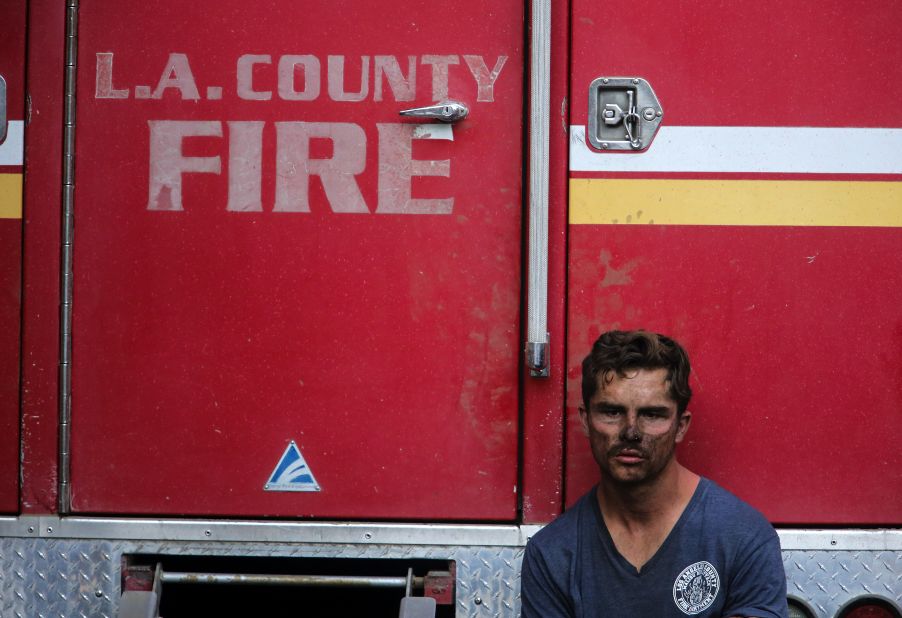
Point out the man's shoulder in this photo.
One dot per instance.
(561, 535)
(720, 499)
(722, 508)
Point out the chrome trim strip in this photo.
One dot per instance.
(889, 539)
(539, 121)
(346, 533)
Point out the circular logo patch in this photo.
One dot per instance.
(696, 588)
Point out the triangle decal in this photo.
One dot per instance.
(292, 473)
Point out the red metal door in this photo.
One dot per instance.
(762, 229)
(267, 254)
(12, 125)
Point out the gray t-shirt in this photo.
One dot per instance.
(721, 559)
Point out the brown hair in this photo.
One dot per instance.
(617, 352)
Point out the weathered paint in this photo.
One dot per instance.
(40, 307)
(177, 74)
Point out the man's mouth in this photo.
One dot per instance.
(629, 456)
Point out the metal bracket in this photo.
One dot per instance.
(537, 358)
(624, 113)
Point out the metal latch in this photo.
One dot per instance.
(624, 113)
(446, 111)
(3, 121)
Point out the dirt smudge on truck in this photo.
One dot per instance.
(613, 275)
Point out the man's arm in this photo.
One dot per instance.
(543, 589)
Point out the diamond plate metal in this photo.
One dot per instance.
(56, 578)
(828, 580)
(74, 578)
(45, 578)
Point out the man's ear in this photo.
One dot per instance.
(584, 420)
(683, 422)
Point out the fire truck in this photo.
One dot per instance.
(294, 294)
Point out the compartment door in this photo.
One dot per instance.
(762, 230)
(12, 130)
(289, 300)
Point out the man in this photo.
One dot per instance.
(653, 539)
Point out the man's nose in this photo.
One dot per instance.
(630, 430)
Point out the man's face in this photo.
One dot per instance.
(632, 425)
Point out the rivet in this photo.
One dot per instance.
(98, 593)
(833, 542)
(49, 530)
(30, 529)
(478, 600)
(207, 533)
(635, 81)
(604, 81)
(368, 535)
(604, 145)
(648, 113)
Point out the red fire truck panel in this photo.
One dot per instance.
(12, 124)
(289, 300)
(761, 228)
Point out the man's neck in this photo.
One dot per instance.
(636, 506)
(640, 517)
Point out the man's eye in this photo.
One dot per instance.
(610, 412)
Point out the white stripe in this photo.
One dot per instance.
(794, 150)
(11, 149)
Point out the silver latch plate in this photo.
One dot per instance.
(624, 114)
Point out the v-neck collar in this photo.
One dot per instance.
(608, 541)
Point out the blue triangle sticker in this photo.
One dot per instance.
(292, 473)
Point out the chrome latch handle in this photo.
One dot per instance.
(446, 111)
(613, 115)
(3, 121)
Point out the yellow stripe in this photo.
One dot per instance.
(736, 202)
(10, 196)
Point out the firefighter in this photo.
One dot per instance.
(653, 539)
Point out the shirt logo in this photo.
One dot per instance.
(696, 588)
